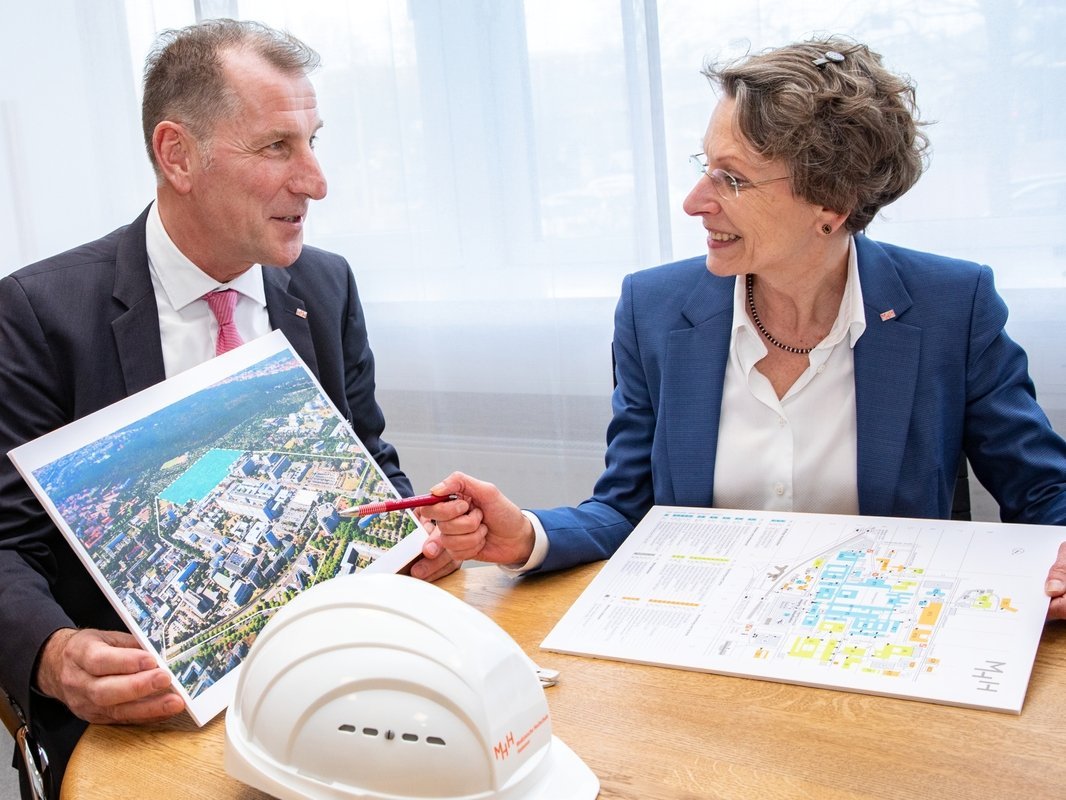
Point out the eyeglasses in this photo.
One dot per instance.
(726, 185)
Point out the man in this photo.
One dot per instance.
(230, 118)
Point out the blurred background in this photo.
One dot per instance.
(497, 166)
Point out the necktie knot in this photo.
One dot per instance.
(222, 304)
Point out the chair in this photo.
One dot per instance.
(33, 757)
(960, 504)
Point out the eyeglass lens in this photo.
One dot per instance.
(724, 183)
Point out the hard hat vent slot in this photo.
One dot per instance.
(407, 737)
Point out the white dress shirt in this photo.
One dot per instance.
(187, 328)
(796, 453)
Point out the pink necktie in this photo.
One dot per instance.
(222, 305)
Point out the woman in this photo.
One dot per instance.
(799, 366)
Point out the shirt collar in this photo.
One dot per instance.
(851, 317)
(180, 279)
(852, 309)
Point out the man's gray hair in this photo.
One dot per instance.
(184, 79)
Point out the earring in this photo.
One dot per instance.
(827, 228)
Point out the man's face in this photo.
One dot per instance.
(250, 198)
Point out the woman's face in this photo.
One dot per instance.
(764, 228)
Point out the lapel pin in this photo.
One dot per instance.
(887, 315)
(302, 314)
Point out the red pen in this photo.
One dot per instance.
(383, 506)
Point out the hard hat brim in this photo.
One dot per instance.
(565, 775)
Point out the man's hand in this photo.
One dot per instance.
(435, 563)
(482, 524)
(105, 676)
(1055, 586)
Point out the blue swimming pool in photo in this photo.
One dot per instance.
(201, 477)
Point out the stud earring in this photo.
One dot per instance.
(827, 228)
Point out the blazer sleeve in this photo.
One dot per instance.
(1008, 438)
(366, 416)
(30, 545)
(596, 528)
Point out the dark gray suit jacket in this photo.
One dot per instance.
(80, 331)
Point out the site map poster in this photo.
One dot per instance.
(942, 611)
(207, 502)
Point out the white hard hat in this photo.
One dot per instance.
(386, 687)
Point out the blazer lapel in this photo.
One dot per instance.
(886, 374)
(693, 375)
(289, 315)
(136, 330)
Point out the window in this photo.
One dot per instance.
(497, 166)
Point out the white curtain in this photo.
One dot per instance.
(497, 166)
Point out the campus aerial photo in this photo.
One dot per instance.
(208, 515)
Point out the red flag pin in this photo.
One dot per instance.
(303, 314)
(887, 315)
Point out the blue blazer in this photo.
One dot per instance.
(80, 331)
(936, 376)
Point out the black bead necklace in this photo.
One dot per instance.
(802, 351)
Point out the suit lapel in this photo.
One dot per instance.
(886, 374)
(136, 330)
(693, 376)
(289, 315)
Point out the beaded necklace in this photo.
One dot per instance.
(802, 351)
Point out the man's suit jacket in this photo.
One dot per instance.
(935, 376)
(80, 331)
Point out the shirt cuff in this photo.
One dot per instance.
(540, 548)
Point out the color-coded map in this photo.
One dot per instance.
(866, 604)
(926, 609)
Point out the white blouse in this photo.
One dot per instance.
(796, 453)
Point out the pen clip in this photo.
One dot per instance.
(548, 677)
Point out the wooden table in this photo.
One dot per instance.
(660, 734)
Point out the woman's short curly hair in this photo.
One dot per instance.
(847, 129)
